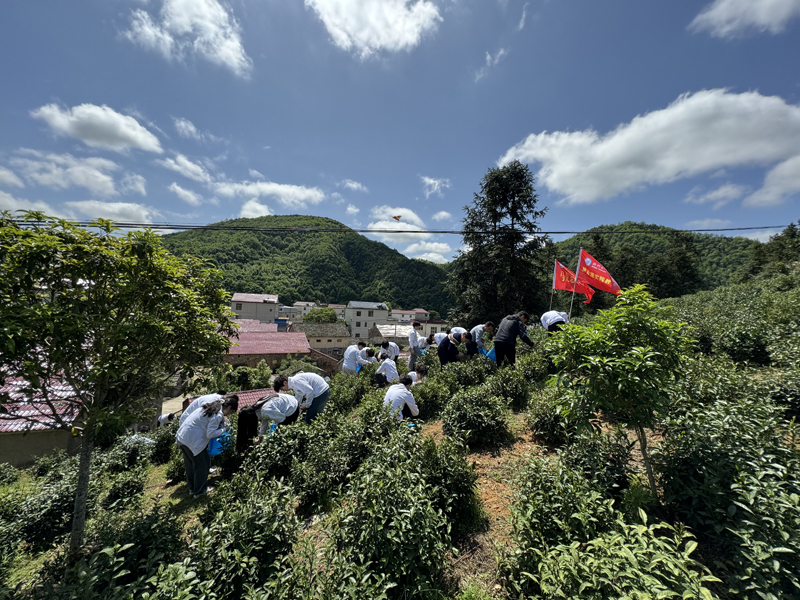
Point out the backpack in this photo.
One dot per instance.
(247, 426)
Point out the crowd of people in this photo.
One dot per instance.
(206, 418)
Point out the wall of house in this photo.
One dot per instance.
(266, 312)
(360, 324)
(20, 450)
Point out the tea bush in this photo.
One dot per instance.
(348, 391)
(602, 458)
(8, 474)
(510, 385)
(476, 417)
(164, 438)
(472, 372)
(45, 464)
(434, 393)
(534, 365)
(176, 471)
(125, 489)
(552, 416)
(122, 456)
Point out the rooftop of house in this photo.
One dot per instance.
(337, 306)
(305, 304)
(22, 414)
(367, 305)
(395, 330)
(239, 297)
(264, 342)
(316, 330)
(249, 325)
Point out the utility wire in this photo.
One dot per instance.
(222, 227)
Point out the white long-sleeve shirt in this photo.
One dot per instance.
(398, 396)
(458, 331)
(552, 316)
(197, 403)
(352, 358)
(413, 339)
(276, 409)
(477, 335)
(307, 386)
(438, 337)
(198, 429)
(388, 368)
(393, 350)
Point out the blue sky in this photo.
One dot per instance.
(685, 114)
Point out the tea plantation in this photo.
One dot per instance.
(661, 461)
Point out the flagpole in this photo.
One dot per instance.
(575, 281)
(555, 268)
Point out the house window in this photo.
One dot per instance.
(358, 335)
(434, 330)
(358, 323)
(329, 341)
(238, 306)
(370, 313)
(320, 341)
(358, 313)
(338, 340)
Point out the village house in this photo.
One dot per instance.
(339, 308)
(329, 338)
(407, 316)
(305, 307)
(271, 347)
(261, 307)
(361, 316)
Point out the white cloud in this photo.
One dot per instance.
(115, 211)
(759, 236)
(411, 226)
(253, 208)
(292, 196)
(133, 183)
(181, 164)
(187, 129)
(255, 174)
(698, 133)
(64, 170)
(780, 183)
(733, 18)
(352, 210)
(521, 25)
(708, 224)
(204, 27)
(437, 247)
(491, 61)
(7, 177)
(720, 196)
(11, 204)
(442, 215)
(431, 185)
(370, 26)
(187, 196)
(354, 185)
(432, 257)
(98, 127)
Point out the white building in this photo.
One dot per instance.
(361, 316)
(261, 307)
(305, 307)
(406, 316)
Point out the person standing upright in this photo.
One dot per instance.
(414, 345)
(505, 341)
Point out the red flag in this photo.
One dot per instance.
(564, 279)
(594, 274)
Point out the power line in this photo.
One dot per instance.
(222, 227)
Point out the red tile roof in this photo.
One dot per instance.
(66, 405)
(255, 325)
(239, 297)
(262, 342)
(246, 398)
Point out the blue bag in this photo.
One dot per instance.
(489, 354)
(216, 445)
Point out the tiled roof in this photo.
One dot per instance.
(246, 398)
(369, 305)
(66, 405)
(255, 325)
(239, 297)
(420, 310)
(315, 330)
(337, 306)
(395, 330)
(305, 304)
(262, 342)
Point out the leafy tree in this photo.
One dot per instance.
(496, 275)
(622, 362)
(113, 316)
(321, 315)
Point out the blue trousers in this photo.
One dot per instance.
(317, 405)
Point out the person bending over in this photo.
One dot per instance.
(505, 341)
(400, 399)
(479, 330)
(311, 391)
(390, 348)
(387, 371)
(352, 359)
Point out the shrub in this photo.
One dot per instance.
(534, 365)
(552, 416)
(632, 561)
(164, 438)
(510, 385)
(388, 523)
(8, 474)
(123, 455)
(348, 391)
(433, 394)
(470, 373)
(125, 489)
(43, 465)
(476, 417)
(176, 471)
(602, 458)
(240, 545)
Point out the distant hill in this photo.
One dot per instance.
(719, 256)
(325, 267)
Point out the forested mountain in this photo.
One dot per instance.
(718, 257)
(325, 267)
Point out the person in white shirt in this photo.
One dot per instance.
(478, 331)
(418, 374)
(282, 409)
(165, 419)
(369, 355)
(401, 400)
(390, 348)
(387, 371)
(203, 425)
(457, 332)
(553, 321)
(414, 345)
(438, 337)
(311, 391)
(198, 402)
(352, 358)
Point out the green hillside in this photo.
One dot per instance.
(326, 267)
(719, 257)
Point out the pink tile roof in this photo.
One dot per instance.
(239, 297)
(66, 405)
(255, 325)
(246, 398)
(263, 342)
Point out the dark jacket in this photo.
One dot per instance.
(508, 330)
(447, 351)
